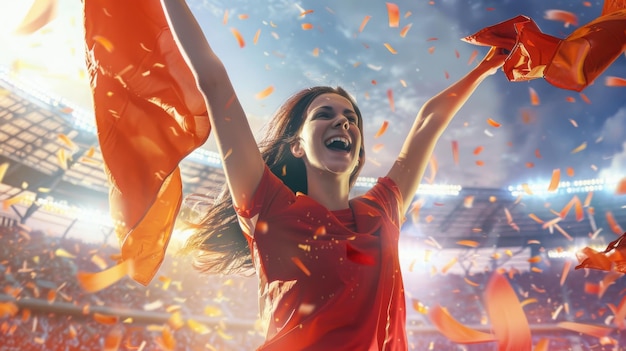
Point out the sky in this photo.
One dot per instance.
(335, 52)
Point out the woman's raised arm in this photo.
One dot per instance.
(240, 155)
(431, 121)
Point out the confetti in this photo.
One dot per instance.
(8, 309)
(307, 26)
(472, 57)
(564, 16)
(587, 329)
(382, 129)
(265, 93)
(3, 170)
(620, 189)
(455, 331)
(304, 13)
(394, 15)
(238, 36)
(113, 339)
(527, 189)
(468, 243)
(405, 30)
(507, 317)
(613, 225)
(359, 257)
(611, 81)
(537, 153)
(569, 171)
(391, 101)
(256, 37)
(390, 48)
(301, 265)
(534, 97)
(554, 181)
(243, 16)
(455, 152)
(493, 123)
(579, 148)
(105, 318)
(93, 282)
(225, 18)
(364, 23)
(106, 43)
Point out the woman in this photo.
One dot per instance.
(327, 265)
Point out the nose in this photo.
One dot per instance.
(343, 123)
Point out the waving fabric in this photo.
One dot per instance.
(149, 115)
(572, 63)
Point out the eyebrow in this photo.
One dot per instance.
(329, 108)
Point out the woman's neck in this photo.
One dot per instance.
(330, 190)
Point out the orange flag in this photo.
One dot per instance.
(571, 63)
(613, 258)
(149, 115)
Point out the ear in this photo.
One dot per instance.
(296, 150)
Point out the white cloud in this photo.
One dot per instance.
(614, 128)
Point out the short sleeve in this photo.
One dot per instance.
(270, 194)
(386, 195)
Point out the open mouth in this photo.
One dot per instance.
(339, 144)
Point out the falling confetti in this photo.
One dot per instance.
(405, 30)
(106, 43)
(455, 152)
(568, 18)
(394, 15)
(579, 148)
(238, 36)
(611, 81)
(301, 265)
(265, 93)
(307, 26)
(93, 282)
(390, 48)
(534, 97)
(554, 181)
(364, 23)
(493, 123)
(382, 129)
(391, 101)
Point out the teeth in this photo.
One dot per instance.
(343, 140)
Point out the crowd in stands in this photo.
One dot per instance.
(223, 309)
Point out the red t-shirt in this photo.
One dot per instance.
(329, 280)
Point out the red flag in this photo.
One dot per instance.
(571, 63)
(149, 115)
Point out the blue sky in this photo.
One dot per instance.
(283, 58)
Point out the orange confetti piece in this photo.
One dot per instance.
(265, 93)
(478, 150)
(9, 309)
(106, 43)
(307, 26)
(468, 201)
(613, 225)
(534, 97)
(493, 123)
(93, 282)
(472, 57)
(564, 16)
(225, 18)
(508, 320)
(468, 243)
(527, 189)
(256, 37)
(570, 171)
(579, 148)
(593, 330)
(469, 282)
(455, 152)
(570, 99)
(566, 268)
(364, 23)
(537, 153)
(3, 170)
(382, 129)
(528, 302)
(394, 15)
(620, 189)
(306, 12)
(377, 147)
(554, 181)
(243, 16)
(455, 331)
(405, 30)
(391, 101)
(534, 259)
(105, 318)
(449, 265)
(238, 36)
(530, 165)
(575, 201)
(390, 48)
(113, 339)
(316, 52)
(301, 265)
(585, 98)
(67, 141)
(611, 81)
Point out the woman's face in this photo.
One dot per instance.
(330, 138)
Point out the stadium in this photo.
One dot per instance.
(55, 223)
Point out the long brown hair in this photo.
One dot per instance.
(218, 243)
